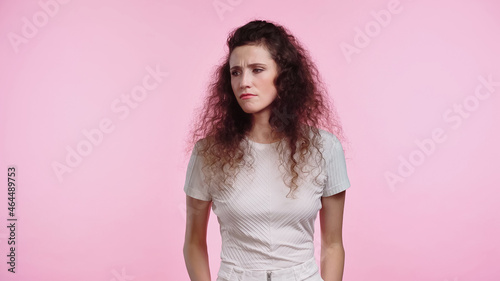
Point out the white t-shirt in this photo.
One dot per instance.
(260, 227)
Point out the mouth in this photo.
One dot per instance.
(246, 95)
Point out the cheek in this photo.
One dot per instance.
(267, 82)
(270, 85)
(233, 85)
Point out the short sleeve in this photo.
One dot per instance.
(194, 185)
(336, 170)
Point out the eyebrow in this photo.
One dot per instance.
(252, 64)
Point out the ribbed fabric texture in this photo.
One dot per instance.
(261, 228)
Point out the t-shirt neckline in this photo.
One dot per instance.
(258, 144)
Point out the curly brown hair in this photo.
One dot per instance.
(301, 107)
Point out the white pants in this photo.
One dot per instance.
(307, 271)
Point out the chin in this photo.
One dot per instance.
(254, 109)
(250, 110)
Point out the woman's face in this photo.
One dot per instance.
(253, 72)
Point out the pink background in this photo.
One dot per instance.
(119, 213)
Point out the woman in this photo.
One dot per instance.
(266, 104)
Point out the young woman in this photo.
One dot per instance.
(264, 166)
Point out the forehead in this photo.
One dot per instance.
(249, 54)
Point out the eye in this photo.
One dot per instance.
(258, 70)
(234, 73)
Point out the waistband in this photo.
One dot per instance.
(303, 271)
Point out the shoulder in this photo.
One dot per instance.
(202, 143)
(329, 139)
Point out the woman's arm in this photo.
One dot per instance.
(195, 241)
(332, 249)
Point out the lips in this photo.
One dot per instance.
(246, 95)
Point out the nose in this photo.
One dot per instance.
(245, 79)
